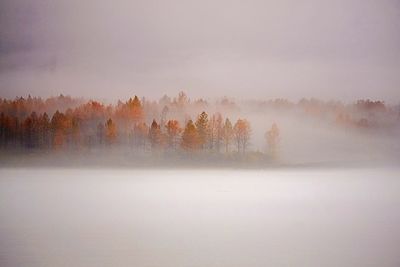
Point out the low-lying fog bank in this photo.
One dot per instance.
(170, 218)
(179, 131)
(126, 159)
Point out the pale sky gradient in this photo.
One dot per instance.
(344, 49)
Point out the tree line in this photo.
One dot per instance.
(93, 124)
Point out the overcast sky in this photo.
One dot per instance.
(344, 49)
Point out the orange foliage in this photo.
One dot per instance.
(190, 137)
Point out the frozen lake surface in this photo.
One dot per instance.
(167, 218)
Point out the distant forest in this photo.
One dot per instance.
(171, 125)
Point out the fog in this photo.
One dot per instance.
(282, 150)
(109, 50)
(311, 133)
(203, 218)
(308, 139)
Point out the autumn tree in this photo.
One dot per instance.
(242, 132)
(227, 134)
(219, 129)
(163, 118)
(135, 109)
(25, 123)
(140, 135)
(27, 128)
(75, 131)
(202, 129)
(2, 124)
(190, 137)
(173, 131)
(111, 132)
(30, 131)
(215, 132)
(12, 131)
(164, 101)
(181, 101)
(272, 138)
(59, 125)
(3, 129)
(44, 131)
(129, 114)
(369, 105)
(100, 133)
(155, 136)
